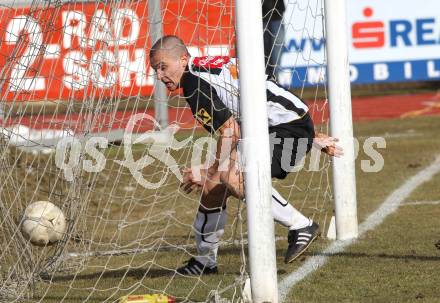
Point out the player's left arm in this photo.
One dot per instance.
(228, 138)
(225, 156)
(216, 118)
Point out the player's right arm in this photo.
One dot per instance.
(328, 145)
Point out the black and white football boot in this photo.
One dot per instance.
(195, 268)
(299, 240)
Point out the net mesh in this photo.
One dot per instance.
(74, 78)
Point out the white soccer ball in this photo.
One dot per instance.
(43, 223)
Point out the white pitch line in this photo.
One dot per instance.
(389, 206)
(409, 133)
(421, 203)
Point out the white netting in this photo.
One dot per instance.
(73, 74)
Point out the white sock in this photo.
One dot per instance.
(285, 214)
(209, 227)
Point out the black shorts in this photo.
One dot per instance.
(301, 133)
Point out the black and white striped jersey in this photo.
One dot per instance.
(211, 88)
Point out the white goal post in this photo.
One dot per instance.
(124, 237)
(257, 177)
(256, 151)
(160, 93)
(341, 125)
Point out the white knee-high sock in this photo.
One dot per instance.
(209, 227)
(285, 214)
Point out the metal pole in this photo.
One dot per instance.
(256, 151)
(160, 92)
(341, 125)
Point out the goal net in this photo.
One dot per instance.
(78, 129)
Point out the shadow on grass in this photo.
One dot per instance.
(142, 273)
(74, 298)
(138, 273)
(385, 256)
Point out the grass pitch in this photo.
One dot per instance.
(397, 262)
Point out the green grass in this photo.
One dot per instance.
(397, 262)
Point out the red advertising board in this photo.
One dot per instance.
(98, 50)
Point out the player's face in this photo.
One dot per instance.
(169, 68)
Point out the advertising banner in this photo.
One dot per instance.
(95, 50)
(91, 49)
(389, 41)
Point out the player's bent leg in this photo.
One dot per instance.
(294, 139)
(232, 177)
(299, 240)
(284, 213)
(214, 193)
(233, 180)
(302, 230)
(208, 227)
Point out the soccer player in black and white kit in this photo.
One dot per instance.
(211, 88)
